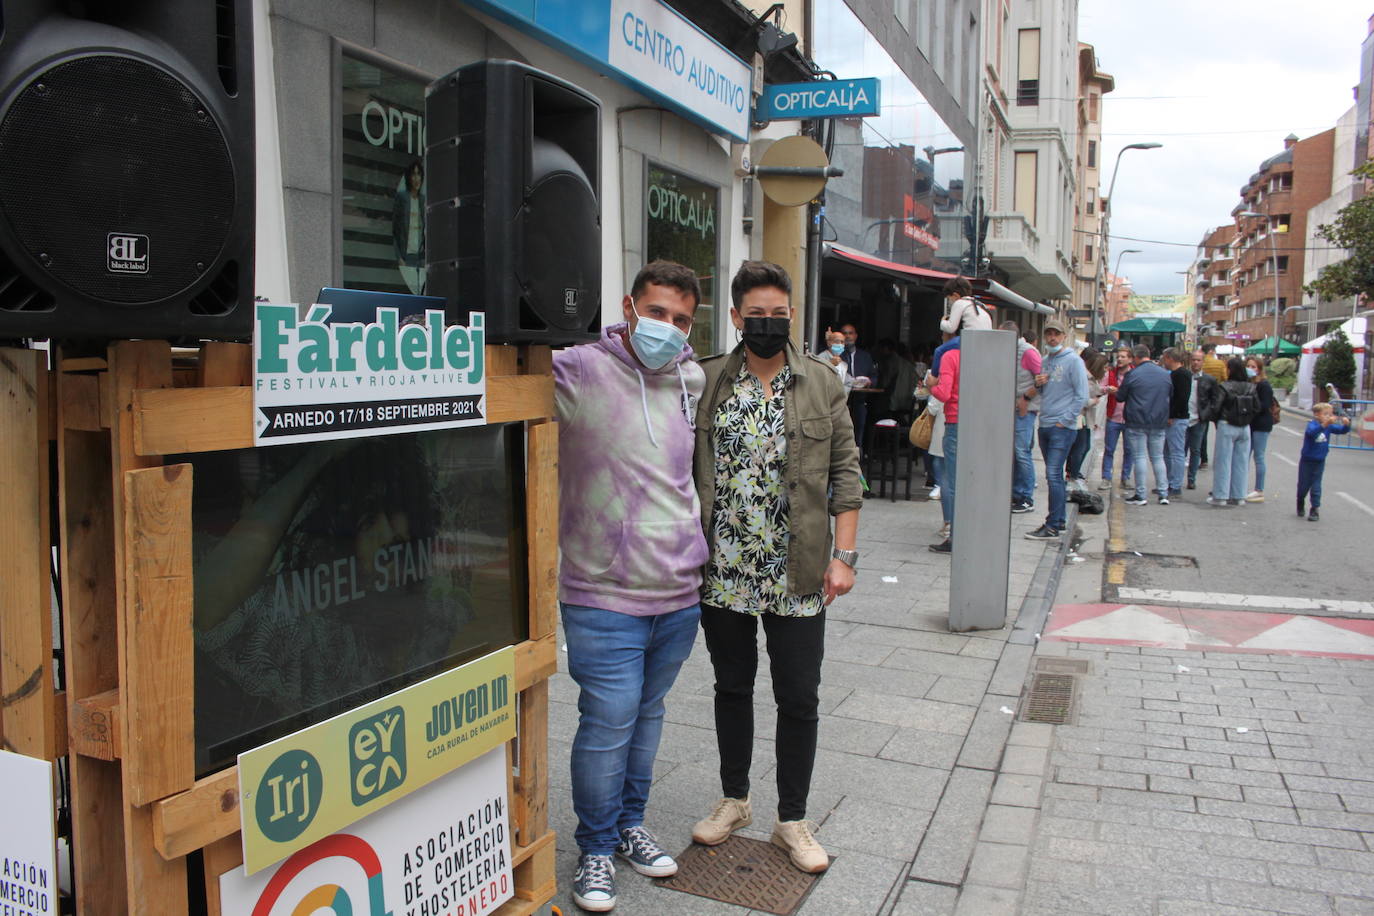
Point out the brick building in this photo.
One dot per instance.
(1088, 271)
(1212, 290)
(1282, 191)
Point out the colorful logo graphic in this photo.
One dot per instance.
(377, 754)
(330, 897)
(289, 795)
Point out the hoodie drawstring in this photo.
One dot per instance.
(644, 402)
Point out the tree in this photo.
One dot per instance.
(1336, 365)
(1353, 230)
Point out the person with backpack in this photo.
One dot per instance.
(1262, 425)
(965, 312)
(1231, 465)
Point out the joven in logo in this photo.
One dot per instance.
(127, 254)
(377, 754)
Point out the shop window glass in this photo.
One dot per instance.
(682, 219)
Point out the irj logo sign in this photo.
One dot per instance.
(377, 754)
(289, 796)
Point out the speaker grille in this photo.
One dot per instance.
(104, 146)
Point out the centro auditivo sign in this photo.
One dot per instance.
(315, 378)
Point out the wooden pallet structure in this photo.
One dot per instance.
(126, 717)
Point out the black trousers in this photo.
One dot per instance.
(795, 648)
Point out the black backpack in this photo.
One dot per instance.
(1240, 403)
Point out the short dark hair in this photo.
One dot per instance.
(755, 274)
(958, 286)
(1173, 355)
(1208, 347)
(1235, 370)
(1030, 335)
(1140, 351)
(670, 274)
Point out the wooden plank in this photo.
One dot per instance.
(538, 360)
(82, 409)
(95, 726)
(158, 688)
(85, 364)
(541, 510)
(531, 806)
(208, 810)
(502, 359)
(224, 365)
(88, 627)
(59, 718)
(520, 853)
(221, 856)
(536, 878)
(176, 420)
(138, 365)
(26, 681)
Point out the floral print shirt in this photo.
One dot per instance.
(747, 571)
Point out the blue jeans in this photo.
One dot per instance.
(1259, 441)
(1023, 462)
(1176, 452)
(1055, 442)
(1078, 453)
(1196, 433)
(624, 666)
(951, 445)
(937, 463)
(1115, 429)
(1148, 446)
(1230, 461)
(1310, 480)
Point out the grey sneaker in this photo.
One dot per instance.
(641, 850)
(730, 814)
(594, 883)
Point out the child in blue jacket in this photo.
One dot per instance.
(1315, 445)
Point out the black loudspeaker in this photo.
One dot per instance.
(513, 224)
(126, 169)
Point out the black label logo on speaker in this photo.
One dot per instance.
(127, 254)
(570, 299)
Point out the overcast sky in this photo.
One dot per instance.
(1220, 85)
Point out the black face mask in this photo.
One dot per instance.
(765, 337)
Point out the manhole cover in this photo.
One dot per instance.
(1050, 699)
(745, 872)
(1061, 665)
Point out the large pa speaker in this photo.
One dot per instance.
(126, 169)
(513, 224)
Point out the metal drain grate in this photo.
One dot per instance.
(1050, 698)
(745, 872)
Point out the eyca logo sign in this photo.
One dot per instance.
(377, 754)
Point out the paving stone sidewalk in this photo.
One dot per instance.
(912, 733)
(1203, 783)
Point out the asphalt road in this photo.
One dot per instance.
(1260, 548)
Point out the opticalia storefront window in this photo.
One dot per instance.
(681, 217)
(383, 142)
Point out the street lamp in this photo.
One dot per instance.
(1279, 310)
(1107, 215)
(1117, 272)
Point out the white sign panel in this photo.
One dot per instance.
(28, 869)
(316, 378)
(656, 46)
(441, 851)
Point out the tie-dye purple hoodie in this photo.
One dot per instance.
(629, 521)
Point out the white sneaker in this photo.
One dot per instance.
(1105, 485)
(730, 814)
(1255, 496)
(934, 494)
(944, 531)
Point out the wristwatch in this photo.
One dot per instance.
(847, 557)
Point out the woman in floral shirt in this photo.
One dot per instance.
(775, 459)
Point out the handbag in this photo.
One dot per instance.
(921, 428)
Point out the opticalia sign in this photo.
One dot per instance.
(820, 99)
(316, 377)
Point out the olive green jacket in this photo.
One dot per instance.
(822, 474)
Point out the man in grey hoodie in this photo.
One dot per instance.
(1063, 386)
(1146, 392)
(632, 553)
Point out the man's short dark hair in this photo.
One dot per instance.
(1030, 335)
(1173, 355)
(755, 274)
(958, 286)
(1140, 351)
(1208, 347)
(670, 274)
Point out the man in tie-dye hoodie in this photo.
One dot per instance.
(632, 554)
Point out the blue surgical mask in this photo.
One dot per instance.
(837, 349)
(1053, 349)
(1250, 371)
(655, 342)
